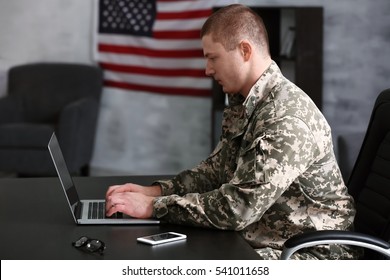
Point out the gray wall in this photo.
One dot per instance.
(145, 134)
(356, 60)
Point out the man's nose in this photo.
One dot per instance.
(209, 70)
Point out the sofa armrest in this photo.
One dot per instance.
(323, 237)
(10, 109)
(76, 131)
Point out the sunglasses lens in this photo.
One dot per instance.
(95, 245)
(80, 242)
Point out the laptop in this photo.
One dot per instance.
(86, 211)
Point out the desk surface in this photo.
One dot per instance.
(36, 224)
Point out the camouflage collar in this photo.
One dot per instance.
(240, 109)
(262, 88)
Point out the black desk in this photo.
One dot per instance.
(36, 224)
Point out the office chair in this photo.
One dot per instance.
(369, 184)
(47, 97)
(348, 147)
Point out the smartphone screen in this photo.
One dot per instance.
(161, 238)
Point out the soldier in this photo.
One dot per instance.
(273, 173)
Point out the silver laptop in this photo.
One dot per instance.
(86, 211)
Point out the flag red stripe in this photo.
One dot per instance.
(161, 90)
(183, 15)
(183, 34)
(198, 73)
(120, 49)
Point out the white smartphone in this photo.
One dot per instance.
(161, 238)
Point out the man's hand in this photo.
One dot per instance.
(134, 204)
(129, 187)
(131, 199)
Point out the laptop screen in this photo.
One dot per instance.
(62, 171)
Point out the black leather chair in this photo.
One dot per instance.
(43, 98)
(369, 184)
(348, 147)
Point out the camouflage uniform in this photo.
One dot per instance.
(272, 175)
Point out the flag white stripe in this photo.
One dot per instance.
(150, 43)
(174, 82)
(179, 25)
(180, 6)
(158, 63)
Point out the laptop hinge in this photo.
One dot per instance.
(78, 210)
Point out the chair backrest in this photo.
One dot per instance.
(45, 88)
(369, 182)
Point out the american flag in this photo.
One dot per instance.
(153, 46)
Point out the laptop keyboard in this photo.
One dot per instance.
(97, 210)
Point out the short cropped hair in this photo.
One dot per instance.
(231, 24)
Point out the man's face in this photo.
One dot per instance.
(226, 67)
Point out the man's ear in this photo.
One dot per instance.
(246, 49)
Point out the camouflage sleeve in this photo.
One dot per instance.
(200, 179)
(265, 169)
